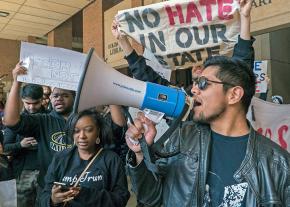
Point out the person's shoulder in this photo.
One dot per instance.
(270, 149)
(188, 131)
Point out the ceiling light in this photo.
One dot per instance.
(3, 14)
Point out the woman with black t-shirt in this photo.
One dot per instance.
(86, 175)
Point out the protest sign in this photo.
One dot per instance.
(155, 65)
(260, 70)
(182, 33)
(51, 66)
(271, 120)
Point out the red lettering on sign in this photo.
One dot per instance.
(192, 11)
(207, 4)
(224, 10)
(260, 131)
(171, 14)
(281, 131)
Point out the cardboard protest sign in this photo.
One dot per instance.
(260, 70)
(182, 33)
(51, 66)
(272, 120)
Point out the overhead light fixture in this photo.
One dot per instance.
(3, 14)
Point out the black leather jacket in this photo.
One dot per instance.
(182, 178)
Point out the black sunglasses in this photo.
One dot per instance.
(202, 82)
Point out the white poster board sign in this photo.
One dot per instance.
(260, 70)
(51, 66)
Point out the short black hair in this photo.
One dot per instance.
(236, 72)
(32, 91)
(104, 129)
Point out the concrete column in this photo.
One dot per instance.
(61, 36)
(280, 63)
(9, 56)
(274, 47)
(93, 28)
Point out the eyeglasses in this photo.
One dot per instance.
(202, 82)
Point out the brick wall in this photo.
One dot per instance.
(61, 36)
(9, 56)
(93, 28)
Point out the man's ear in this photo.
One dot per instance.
(235, 95)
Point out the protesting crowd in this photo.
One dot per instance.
(60, 157)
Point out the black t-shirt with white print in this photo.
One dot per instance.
(227, 154)
(103, 184)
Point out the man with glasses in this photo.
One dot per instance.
(222, 160)
(48, 129)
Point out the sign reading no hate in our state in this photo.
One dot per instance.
(182, 33)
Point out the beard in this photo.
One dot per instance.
(212, 117)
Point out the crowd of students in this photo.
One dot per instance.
(34, 135)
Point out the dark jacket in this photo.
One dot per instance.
(117, 143)
(49, 130)
(23, 158)
(243, 50)
(182, 178)
(109, 190)
(5, 167)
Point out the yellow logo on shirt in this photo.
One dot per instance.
(59, 142)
